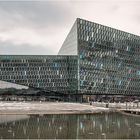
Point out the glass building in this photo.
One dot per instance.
(93, 60)
(52, 73)
(108, 59)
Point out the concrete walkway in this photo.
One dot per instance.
(49, 108)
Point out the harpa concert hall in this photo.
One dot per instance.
(93, 60)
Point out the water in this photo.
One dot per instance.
(102, 126)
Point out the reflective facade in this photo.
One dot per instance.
(109, 60)
(94, 59)
(53, 73)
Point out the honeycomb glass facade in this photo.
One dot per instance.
(109, 60)
(94, 59)
(53, 73)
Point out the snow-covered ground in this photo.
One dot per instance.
(59, 107)
(47, 108)
(16, 106)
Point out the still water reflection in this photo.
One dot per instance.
(100, 126)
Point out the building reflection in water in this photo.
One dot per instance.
(100, 126)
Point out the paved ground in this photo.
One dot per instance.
(48, 108)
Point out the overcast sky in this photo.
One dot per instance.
(40, 27)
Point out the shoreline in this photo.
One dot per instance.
(59, 112)
(47, 108)
(22, 108)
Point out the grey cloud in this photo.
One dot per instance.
(47, 23)
(35, 13)
(43, 18)
(8, 48)
(115, 8)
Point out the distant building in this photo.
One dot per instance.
(93, 60)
